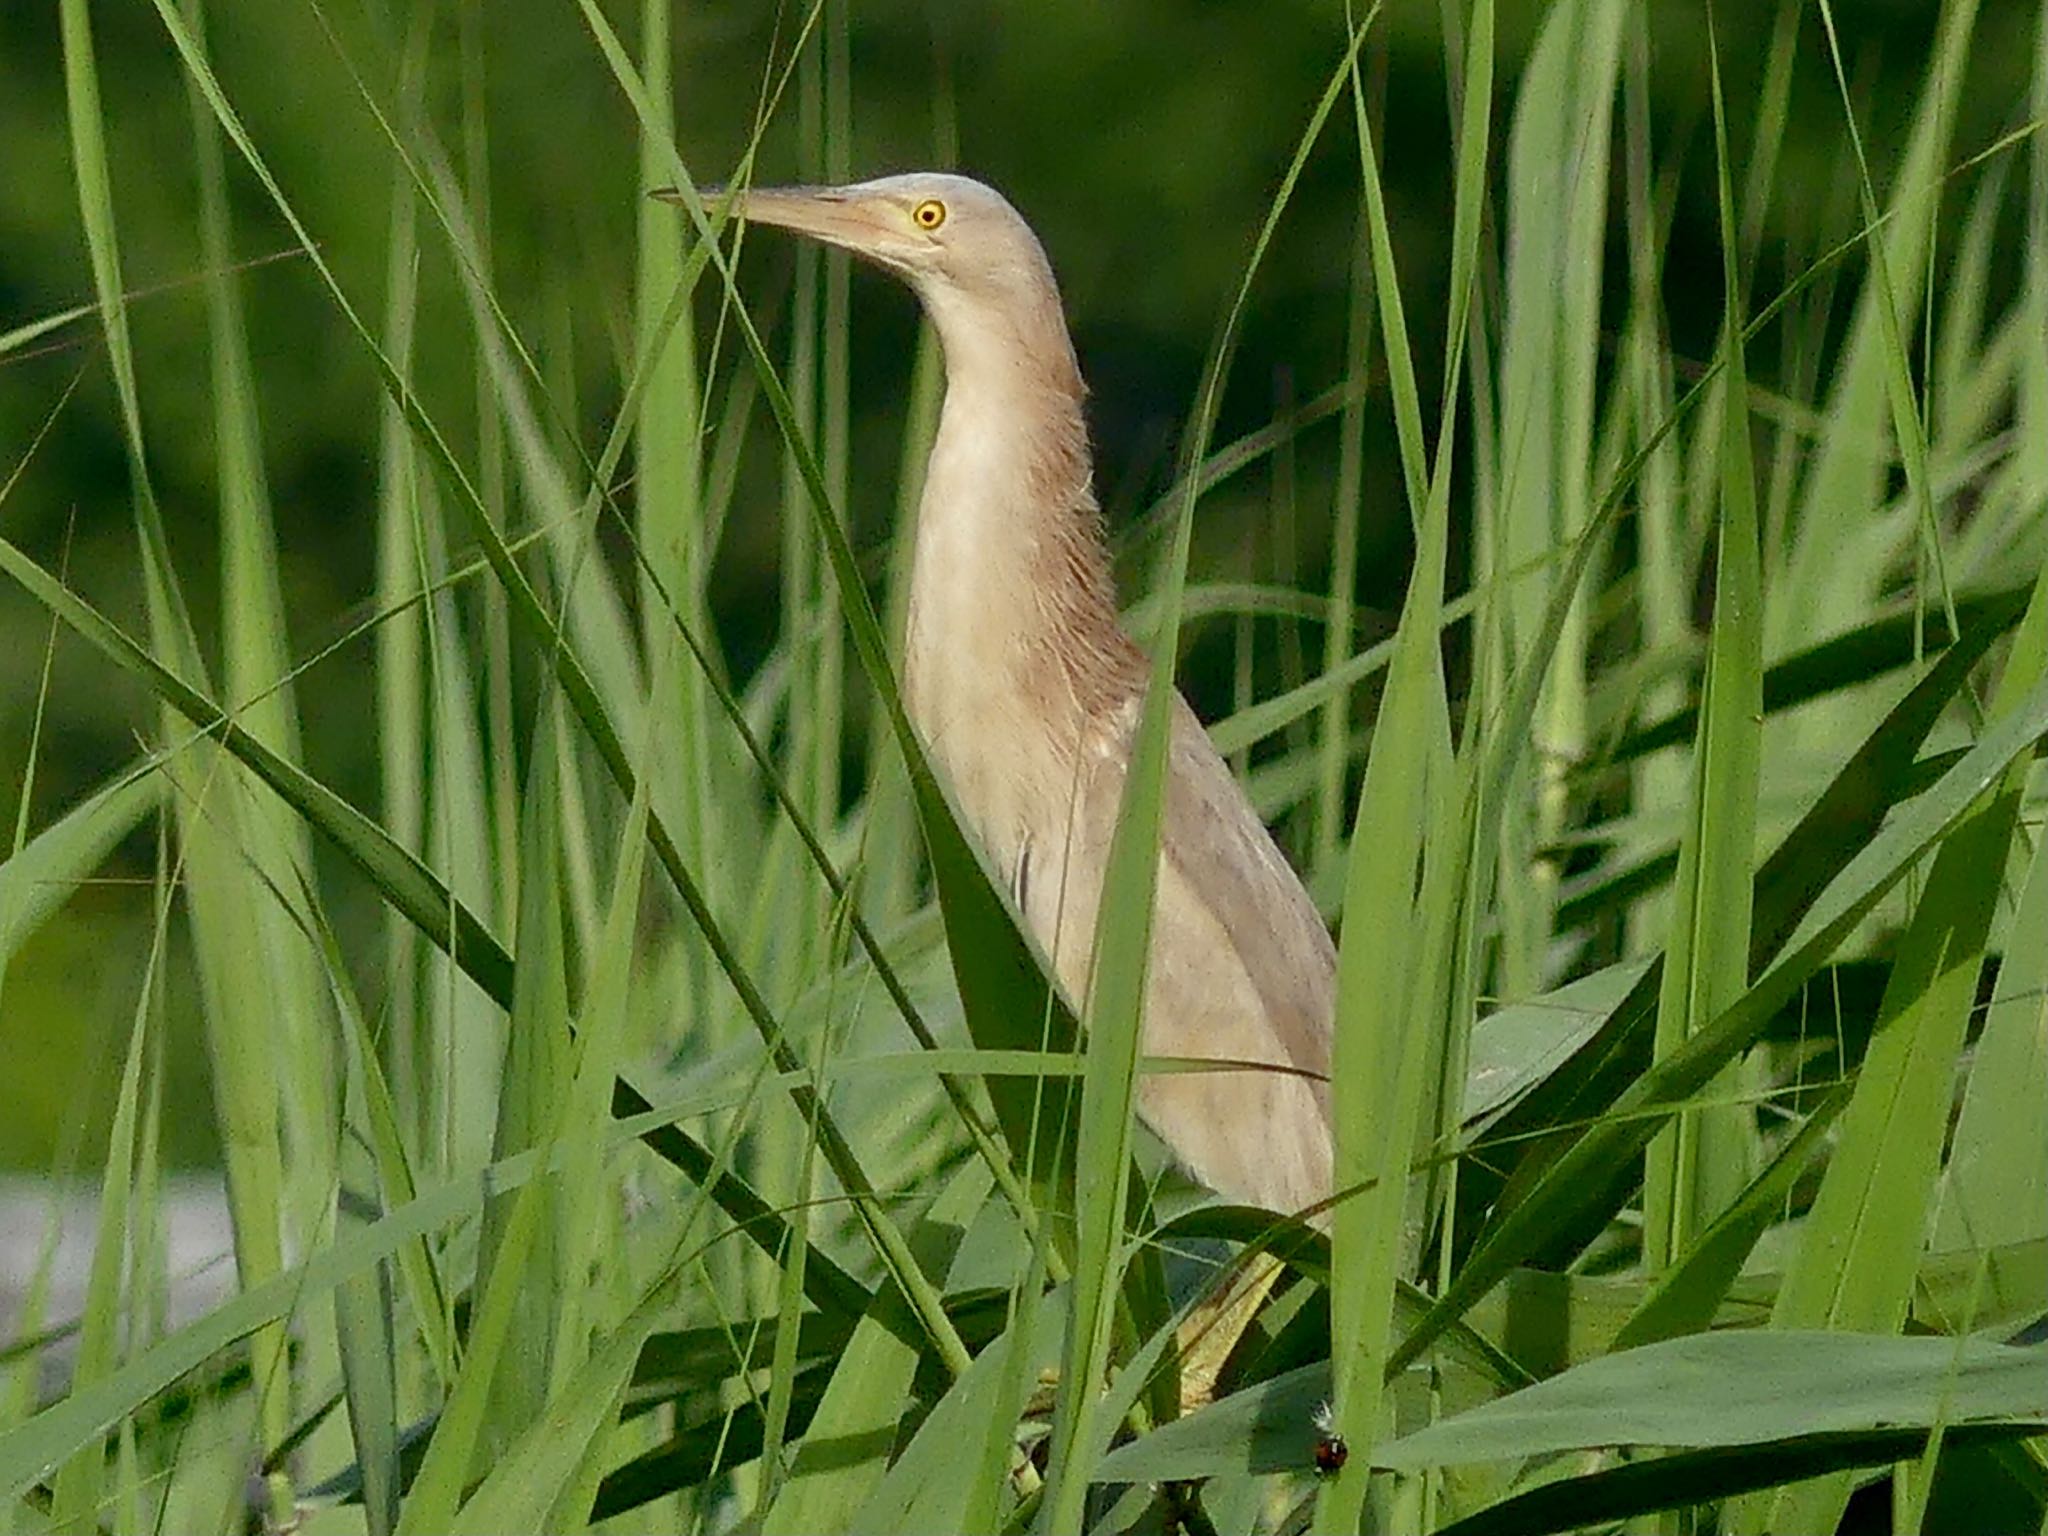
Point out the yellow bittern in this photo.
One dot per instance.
(1026, 691)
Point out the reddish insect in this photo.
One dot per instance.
(1331, 1452)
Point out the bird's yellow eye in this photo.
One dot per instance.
(930, 213)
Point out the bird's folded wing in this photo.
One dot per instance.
(1226, 861)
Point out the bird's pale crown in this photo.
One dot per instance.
(949, 237)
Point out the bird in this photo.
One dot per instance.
(1026, 692)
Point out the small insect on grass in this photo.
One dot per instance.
(1331, 1452)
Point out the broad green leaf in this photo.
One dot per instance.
(1520, 1044)
(1743, 1388)
(1687, 1478)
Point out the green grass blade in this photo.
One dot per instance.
(1750, 1387)
(77, 1494)
(600, 1045)
(366, 1343)
(1396, 951)
(1687, 1478)
(1689, 1293)
(42, 872)
(2033, 367)
(1333, 757)
(531, 1097)
(1697, 1169)
(829, 1480)
(1998, 1161)
(535, 1486)
(296, 1034)
(1122, 952)
(1823, 582)
(210, 802)
(1557, 190)
(401, 648)
(170, 624)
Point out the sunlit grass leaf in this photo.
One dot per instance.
(1696, 1169)
(1743, 1388)
(1998, 1160)
(1826, 580)
(40, 875)
(843, 1457)
(1397, 946)
(209, 800)
(1688, 1294)
(933, 1480)
(1557, 186)
(534, 1098)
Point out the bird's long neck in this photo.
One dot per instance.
(1010, 586)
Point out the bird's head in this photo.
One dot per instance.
(958, 242)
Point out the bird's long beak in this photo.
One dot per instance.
(839, 216)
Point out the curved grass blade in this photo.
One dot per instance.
(1405, 924)
(1698, 1168)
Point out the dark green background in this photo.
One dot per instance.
(1143, 140)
